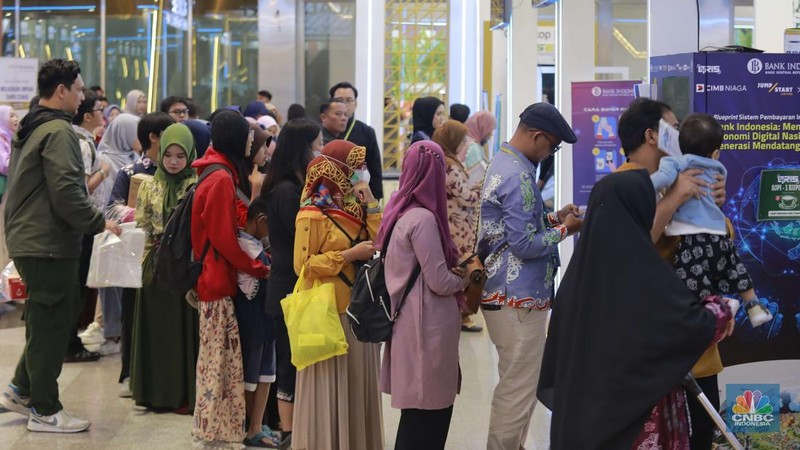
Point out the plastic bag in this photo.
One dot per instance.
(12, 287)
(117, 260)
(312, 320)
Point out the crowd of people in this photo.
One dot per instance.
(274, 200)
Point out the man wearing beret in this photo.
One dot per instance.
(518, 244)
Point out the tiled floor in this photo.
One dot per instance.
(89, 390)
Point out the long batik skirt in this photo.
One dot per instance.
(219, 411)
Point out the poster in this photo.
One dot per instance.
(756, 98)
(778, 198)
(596, 108)
(18, 81)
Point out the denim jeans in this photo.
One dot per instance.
(111, 302)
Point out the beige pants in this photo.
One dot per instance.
(518, 334)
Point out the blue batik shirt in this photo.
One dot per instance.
(517, 241)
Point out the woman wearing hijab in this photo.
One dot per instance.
(165, 329)
(480, 127)
(110, 113)
(427, 115)
(463, 197)
(120, 147)
(420, 363)
(618, 348)
(9, 122)
(337, 221)
(269, 124)
(136, 103)
(219, 412)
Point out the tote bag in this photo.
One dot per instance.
(312, 320)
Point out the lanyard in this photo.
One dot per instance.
(350, 130)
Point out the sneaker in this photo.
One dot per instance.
(125, 388)
(60, 422)
(109, 347)
(11, 400)
(92, 335)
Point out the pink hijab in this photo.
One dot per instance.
(422, 185)
(480, 126)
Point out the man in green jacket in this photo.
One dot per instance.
(47, 213)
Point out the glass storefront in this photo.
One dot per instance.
(161, 47)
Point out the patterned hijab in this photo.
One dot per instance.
(180, 135)
(329, 178)
(422, 185)
(480, 126)
(450, 136)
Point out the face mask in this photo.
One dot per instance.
(316, 153)
(361, 175)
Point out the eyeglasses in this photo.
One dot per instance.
(344, 99)
(97, 109)
(554, 147)
(180, 112)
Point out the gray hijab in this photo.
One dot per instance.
(116, 148)
(131, 100)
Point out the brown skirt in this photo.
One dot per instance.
(337, 401)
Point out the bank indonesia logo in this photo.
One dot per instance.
(753, 408)
(755, 66)
(596, 91)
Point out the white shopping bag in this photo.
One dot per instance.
(117, 261)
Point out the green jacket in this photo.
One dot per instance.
(48, 210)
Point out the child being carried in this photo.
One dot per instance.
(706, 259)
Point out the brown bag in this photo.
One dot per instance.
(477, 280)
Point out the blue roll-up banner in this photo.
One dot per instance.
(756, 98)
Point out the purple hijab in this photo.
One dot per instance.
(422, 185)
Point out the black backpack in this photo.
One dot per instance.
(369, 312)
(175, 264)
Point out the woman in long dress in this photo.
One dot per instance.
(420, 363)
(165, 338)
(624, 331)
(337, 401)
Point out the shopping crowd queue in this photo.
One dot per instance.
(282, 217)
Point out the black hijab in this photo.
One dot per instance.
(229, 135)
(624, 329)
(422, 114)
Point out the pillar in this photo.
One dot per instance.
(575, 61)
(772, 17)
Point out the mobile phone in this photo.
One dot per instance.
(466, 261)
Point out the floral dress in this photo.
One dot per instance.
(463, 201)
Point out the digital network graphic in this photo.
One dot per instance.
(772, 245)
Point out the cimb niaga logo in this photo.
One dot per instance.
(755, 66)
(755, 408)
(596, 91)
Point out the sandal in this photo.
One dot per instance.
(82, 356)
(261, 440)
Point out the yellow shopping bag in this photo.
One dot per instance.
(315, 331)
